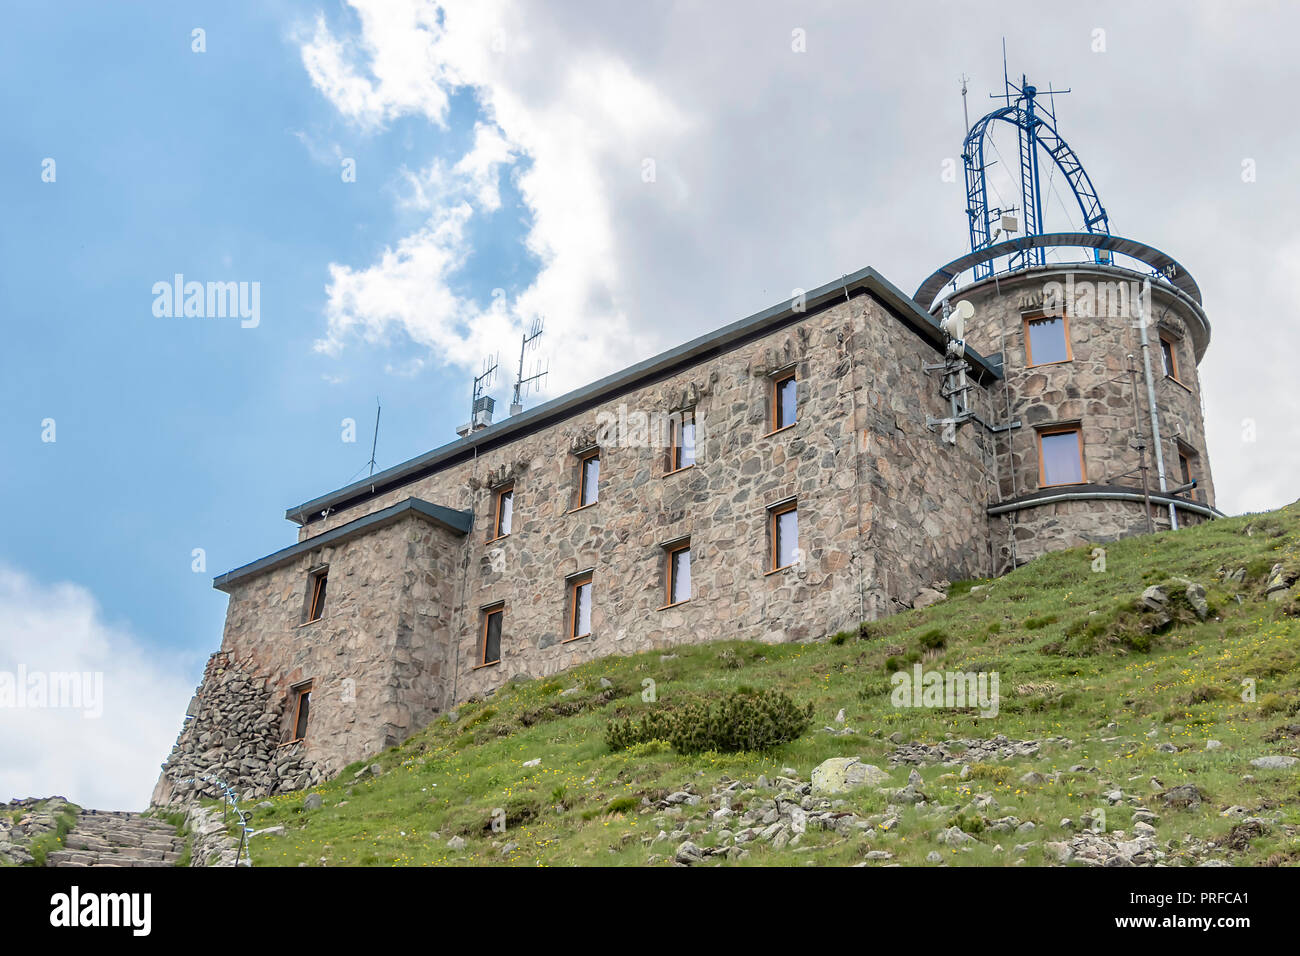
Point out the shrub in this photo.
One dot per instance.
(933, 640)
(745, 720)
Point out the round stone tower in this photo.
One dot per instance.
(1098, 418)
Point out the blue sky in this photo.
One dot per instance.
(501, 147)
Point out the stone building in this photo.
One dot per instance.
(821, 463)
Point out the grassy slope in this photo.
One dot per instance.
(1063, 637)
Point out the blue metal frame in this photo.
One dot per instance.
(1035, 128)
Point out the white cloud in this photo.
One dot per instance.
(109, 762)
(776, 170)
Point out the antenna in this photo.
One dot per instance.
(375, 444)
(528, 340)
(964, 114)
(481, 381)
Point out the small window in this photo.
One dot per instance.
(317, 583)
(504, 511)
(1060, 457)
(681, 440)
(1169, 356)
(679, 572)
(785, 403)
(785, 535)
(580, 606)
(1047, 340)
(1185, 465)
(492, 620)
(301, 711)
(589, 479)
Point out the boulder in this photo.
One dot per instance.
(842, 774)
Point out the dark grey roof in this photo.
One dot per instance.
(456, 521)
(865, 282)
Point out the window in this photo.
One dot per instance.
(1047, 340)
(679, 572)
(316, 587)
(681, 440)
(785, 535)
(492, 619)
(589, 479)
(784, 401)
(1169, 356)
(580, 606)
(1060, 457)
(503, 512)
(301, 711)
(1185, 464)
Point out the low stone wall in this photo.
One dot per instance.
(210, 843)
(1072, 524)
(232, 732)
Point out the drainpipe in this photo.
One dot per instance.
(1151, 395)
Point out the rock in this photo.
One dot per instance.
(688, 853)
(933, 857)
(914, 778)
(954, 836)
(1213, 744)
(842, 774)
(1155, 598)
(927, 597)
(1185, 795)
(1033, 778)
(1166, 748)
(1274, 762)
(535, 762)
(878, 855)
(606, 683)
(456, 843)
(1196, 598)
(313, 801)
(839, 718)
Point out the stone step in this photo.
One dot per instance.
(118, 839)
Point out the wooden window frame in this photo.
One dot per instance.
(497, 494)
(1172, 343)
(1076, 430)
(779, 379)
(676, 420)
(1029, 348)
(773, 516)
(583, 459)
(574, 582)
(489, 611)
(315, 578)
(670, 551)
(299, 691)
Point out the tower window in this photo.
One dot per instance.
(1186, 463)
(589, 479)
(317, 583)
(785, 408)
(503, 511)
(1060, 457)
(1047, 340)
(493, 618)
(580, 605)
(681, 440)
(1169, 356)
(783, 524)
(301, 711)
(679, 572)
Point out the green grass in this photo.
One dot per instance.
(46, 843)
(1072, 653)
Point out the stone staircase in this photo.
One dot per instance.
(111, 838)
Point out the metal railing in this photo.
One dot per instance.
(229, 801)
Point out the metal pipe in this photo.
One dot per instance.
(1194, 507)
(1151, 396)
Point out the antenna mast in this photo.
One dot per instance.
(528, 340)
(375, 444)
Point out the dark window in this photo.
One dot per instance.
(1047, 340)
(1185, 463)
(1169, 356)
(681, 451)
(785, 535)
(580, 606)
(679, 573)
(301, 711)
(589, 480)
(492, 619)
(317, 583)
(505, 511)
(784, 401)
(1060, 455)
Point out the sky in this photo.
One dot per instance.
(402, 186)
